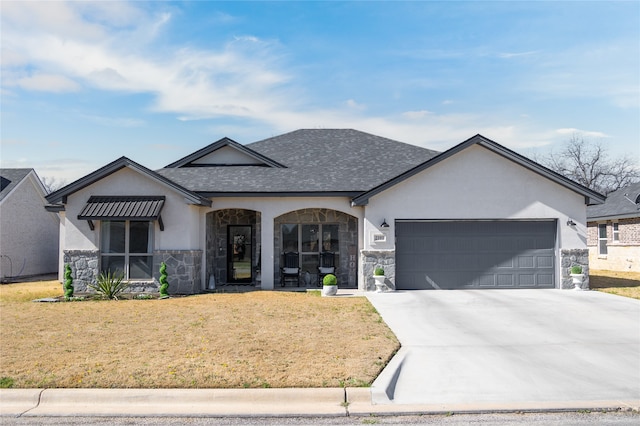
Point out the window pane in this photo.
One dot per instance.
(139, 241)
(140, 267)
(289, 237)
(112, 236)
(113, 264)
(309, 238)
(330, 238)
(602, 231)
(603, 246)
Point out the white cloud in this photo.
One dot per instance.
(355, 105)
(416, 115)
(48, 83)
(114, 121)
(586, 133)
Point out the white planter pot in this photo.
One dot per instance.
(381, 287)
(329, 290)
(577, 281)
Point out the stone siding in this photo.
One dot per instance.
(84, 268)
(573, 257)
(218, 245)
(623, 254)
(183, 270)
(183, 267)
(373, 258)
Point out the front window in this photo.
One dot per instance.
(602, 239)
(310, 240)
(126, 248)
(616, 232)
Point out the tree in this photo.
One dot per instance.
(588, 163)
(52, 184)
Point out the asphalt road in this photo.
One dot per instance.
(546, 419)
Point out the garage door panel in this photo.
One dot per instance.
(475, 254)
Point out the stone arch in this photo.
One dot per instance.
(347, 271)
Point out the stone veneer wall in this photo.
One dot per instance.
(217, 244)
(373, 258)
(84, 267)
(347, 266)
(183, 269)
(572, 257)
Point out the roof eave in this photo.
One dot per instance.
(61, 195)
(591, 197)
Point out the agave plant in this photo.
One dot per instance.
(110, 285)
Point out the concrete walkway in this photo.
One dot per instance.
(511, 348)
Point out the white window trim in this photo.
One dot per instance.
(615, 231)
(600, 239)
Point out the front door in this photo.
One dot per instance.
(239, 254)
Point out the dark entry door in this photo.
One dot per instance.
(239, 254)
(475, 254)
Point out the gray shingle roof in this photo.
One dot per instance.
(315, 160)
(9, 178)
(620, 203)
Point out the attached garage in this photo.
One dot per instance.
(475, 254)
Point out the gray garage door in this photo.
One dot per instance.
(475, 254)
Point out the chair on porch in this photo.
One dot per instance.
(327, 265)
(290, 268)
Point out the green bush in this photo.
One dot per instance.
(6, 382)
(68, 282)
(576, 269)
(378, 271)
(164, 284)
(330, 279)
(110, 285)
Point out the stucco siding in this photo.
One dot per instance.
(479, 184)
(28, 233)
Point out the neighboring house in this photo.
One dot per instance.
(28, 234)
(613, 233)
(475, 216)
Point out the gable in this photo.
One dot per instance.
(225, 152)
(9, 180)
(117, 167)
(227, 156)
(591, 197)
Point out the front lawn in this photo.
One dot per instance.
(621, 283)
(255, 339)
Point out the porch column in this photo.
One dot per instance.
(266, 250)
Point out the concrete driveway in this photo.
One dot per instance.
(509, 348)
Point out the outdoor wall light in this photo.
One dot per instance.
(384, 224)
(570, 222)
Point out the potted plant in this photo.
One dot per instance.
(577, 277)
(329, 285)
(378, 277)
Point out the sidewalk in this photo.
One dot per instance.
(324, 402)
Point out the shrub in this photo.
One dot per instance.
(330, 279)
(164, 284)
(378, 271)
(68, 282)
(6, 382)
(576, 269)
(110, 285)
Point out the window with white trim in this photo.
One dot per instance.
(602, 239)
(126, 247)
(615, 231)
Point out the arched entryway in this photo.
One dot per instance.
(233, 247)
(312, 231)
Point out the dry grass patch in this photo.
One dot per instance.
(257, 339)
(621, 283)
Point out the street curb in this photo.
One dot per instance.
(290, 402)
(323, 402)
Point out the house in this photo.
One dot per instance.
(28, 234)
(476, 216)
(613, 231)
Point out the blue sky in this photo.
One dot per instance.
(84, 83)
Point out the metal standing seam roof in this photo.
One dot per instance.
(122, 207)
